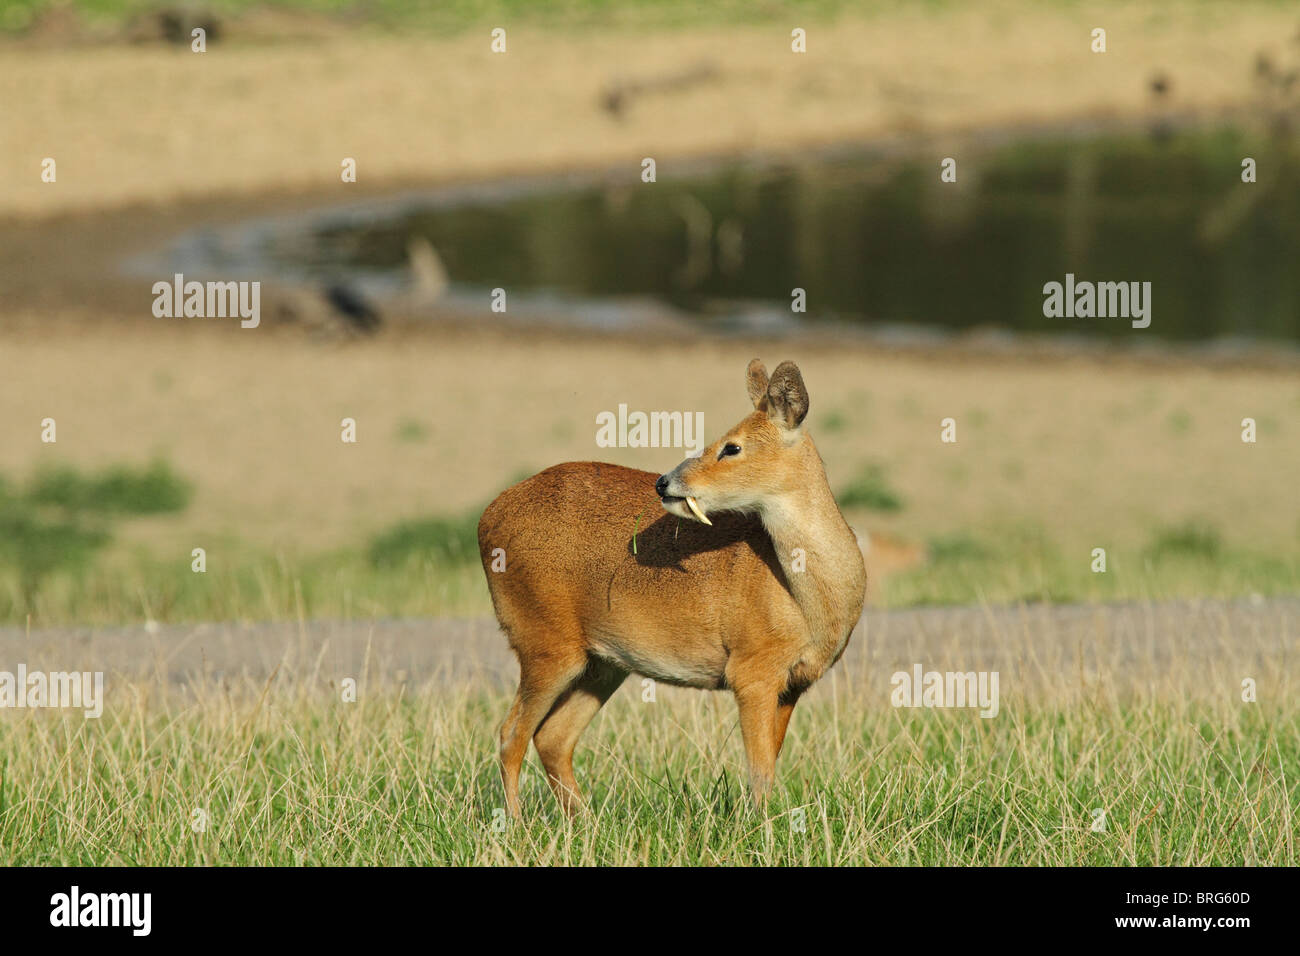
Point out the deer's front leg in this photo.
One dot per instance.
(758, 713)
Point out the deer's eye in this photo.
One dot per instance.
(728, 449)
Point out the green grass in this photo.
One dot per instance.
(456, 15)
(1191, 539)
(60, 522)
(290, 774)
(1021, 564)
(870, 491)
(62, 563)
(246, 585)
(411, 431)
(431, 569)
(442, 541)
(119, 490)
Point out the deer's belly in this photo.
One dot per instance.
(672, 655)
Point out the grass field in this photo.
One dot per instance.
(346, 584)
(402, 781)
(1094, 715)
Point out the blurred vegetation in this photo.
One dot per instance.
(429, 567)
(437, 540)
(412, 431)
(455, 15)
(834, 422)
(63, 518)
(956, 548)
(870, 491)
(1018, 564)
(119, 490)
(1189, 540)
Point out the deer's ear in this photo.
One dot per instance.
(787, 399)
(756, 380)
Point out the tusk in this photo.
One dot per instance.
(695, 510)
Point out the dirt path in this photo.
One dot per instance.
(1196, 649)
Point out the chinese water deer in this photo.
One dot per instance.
(752, 582)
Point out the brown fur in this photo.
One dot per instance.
(600, 582)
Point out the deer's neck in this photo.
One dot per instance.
(819, 554)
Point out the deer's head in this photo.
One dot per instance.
(755, 464)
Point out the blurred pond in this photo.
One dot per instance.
(872, 238)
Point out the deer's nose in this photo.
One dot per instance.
(661, 486)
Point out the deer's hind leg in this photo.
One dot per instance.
(558, 735)
(543, 678)
(784, 710)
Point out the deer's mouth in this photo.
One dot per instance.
(685, 506)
